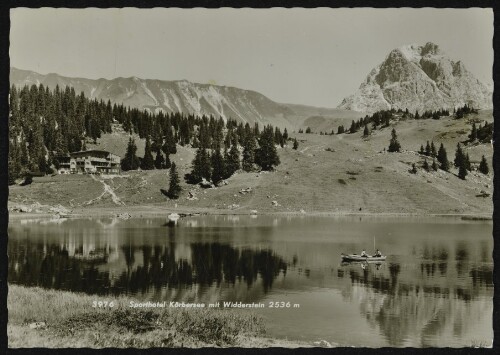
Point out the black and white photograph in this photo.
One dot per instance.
(256, 178)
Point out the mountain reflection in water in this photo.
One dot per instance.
(435, 289)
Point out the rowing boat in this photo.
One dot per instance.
(356, 257)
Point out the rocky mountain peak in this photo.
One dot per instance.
(430, 48)
(418, 77)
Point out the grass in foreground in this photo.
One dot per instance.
(71, 321)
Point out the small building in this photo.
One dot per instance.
(89, 162)
(63, 163)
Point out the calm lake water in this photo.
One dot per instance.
(434, 289)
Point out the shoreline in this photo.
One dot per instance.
(157, 212)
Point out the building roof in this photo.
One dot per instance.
(90, 151)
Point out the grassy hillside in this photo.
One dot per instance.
(339, 174)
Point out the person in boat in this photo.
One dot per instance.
(378, 253)
(363, 253)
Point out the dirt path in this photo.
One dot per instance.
(107, 190)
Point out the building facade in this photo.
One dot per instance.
(89, 162)
(63, 164)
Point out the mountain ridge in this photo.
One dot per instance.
(186, 97)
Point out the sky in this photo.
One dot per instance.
(304, 56)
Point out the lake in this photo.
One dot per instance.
(435, 288)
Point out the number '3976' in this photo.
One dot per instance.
(103, 304)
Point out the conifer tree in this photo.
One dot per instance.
(228, 138)
(462, 172)
(434, 165)
(422, 151)
(232, 161)
(394, 145)
(295, 144)
(428, 149)
(174, 188)
(159, 160)
(130, 161)
(417, 116)
(467, 163)
(248, 153)
(366, 132)
(218, 135)
(206, 168)
(147, 162)
(42, 164)
(413, 169)
(353, 128)
(459, 157)
(285, 135)
(308, 129)
(167, 163)
(201, 167)
(442, 158)
(218, 168)
(433, 149)
(169, 146)
(278, 137)
(483, 166)
(14, 162)
(266, 155)
(225, 157)
(473, 134)
(426, 165)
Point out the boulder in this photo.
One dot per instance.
(38, 325)
(222, 183)
(323, 344)
(275, 203)
(36, 205)
(246, 191)
(192, 196)
(173, 216)
(24, 209)
(59, 209)
(123, 215)
(206, 184)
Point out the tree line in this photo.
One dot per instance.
(463, 111)
(483, 134)
(461, 161)
(382, 118)
(46, 123)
